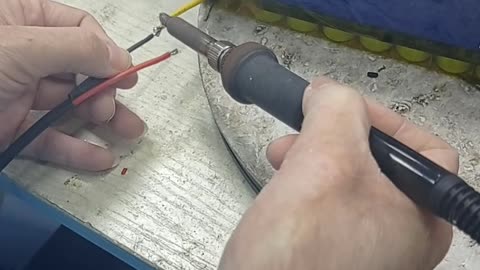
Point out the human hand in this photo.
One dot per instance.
(43, 45)
(328, 206)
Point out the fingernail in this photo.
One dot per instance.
(140, 138)
(322, 80)
(145, 130)
(120, 59)
(306, 97)
(116, 162)
(113, 111)
(97, 142)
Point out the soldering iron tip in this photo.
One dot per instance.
(164, 17)
(173, 52)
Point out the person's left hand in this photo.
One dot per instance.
(44, 45)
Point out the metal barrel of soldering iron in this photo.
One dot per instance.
(251, 74)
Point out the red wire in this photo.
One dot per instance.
(117, 78)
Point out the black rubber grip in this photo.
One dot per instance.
(251, 74)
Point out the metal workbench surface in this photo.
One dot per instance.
(182, 194)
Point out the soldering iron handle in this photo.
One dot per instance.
(251, 74)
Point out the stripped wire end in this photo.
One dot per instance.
(157, 30)
(174, 52)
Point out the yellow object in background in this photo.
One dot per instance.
(448, 65)
(186, 7)
(337, 35)
(453, 66)
(266, 16)
(412, 55)
(301, 25)
(374, 45)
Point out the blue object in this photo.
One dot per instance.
(34, 235)
(22, 232)
(452, 23)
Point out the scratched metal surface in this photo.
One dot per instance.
(438, 102)
(183, 194)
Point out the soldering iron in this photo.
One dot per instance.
(251, 74)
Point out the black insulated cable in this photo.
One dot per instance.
(141, 43)
(60, 110)
(33, 132)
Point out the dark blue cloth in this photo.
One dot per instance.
(452, 22)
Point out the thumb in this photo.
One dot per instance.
(277, 150)
(335, 130)
(42, 51)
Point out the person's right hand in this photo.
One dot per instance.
(329, 207)
(43, 46)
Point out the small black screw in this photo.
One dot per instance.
(372, 74)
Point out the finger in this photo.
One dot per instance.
(56, 147)
(60, 15)
(336, 121)
(277, 150)
(51, 14)
(126, 123)
(333, 143)
(382, 118)
(408, 133)
(100, 109)
(403, 130)
(127, 83)
(415, 137)
(326, 103)
(64, 77)
(441, 241)
(41, 51)
(50, 93)
(54, 14)
(395, 125)
(446, 158)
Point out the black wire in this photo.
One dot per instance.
(55, 114)
(33, 132)
(140, 43)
